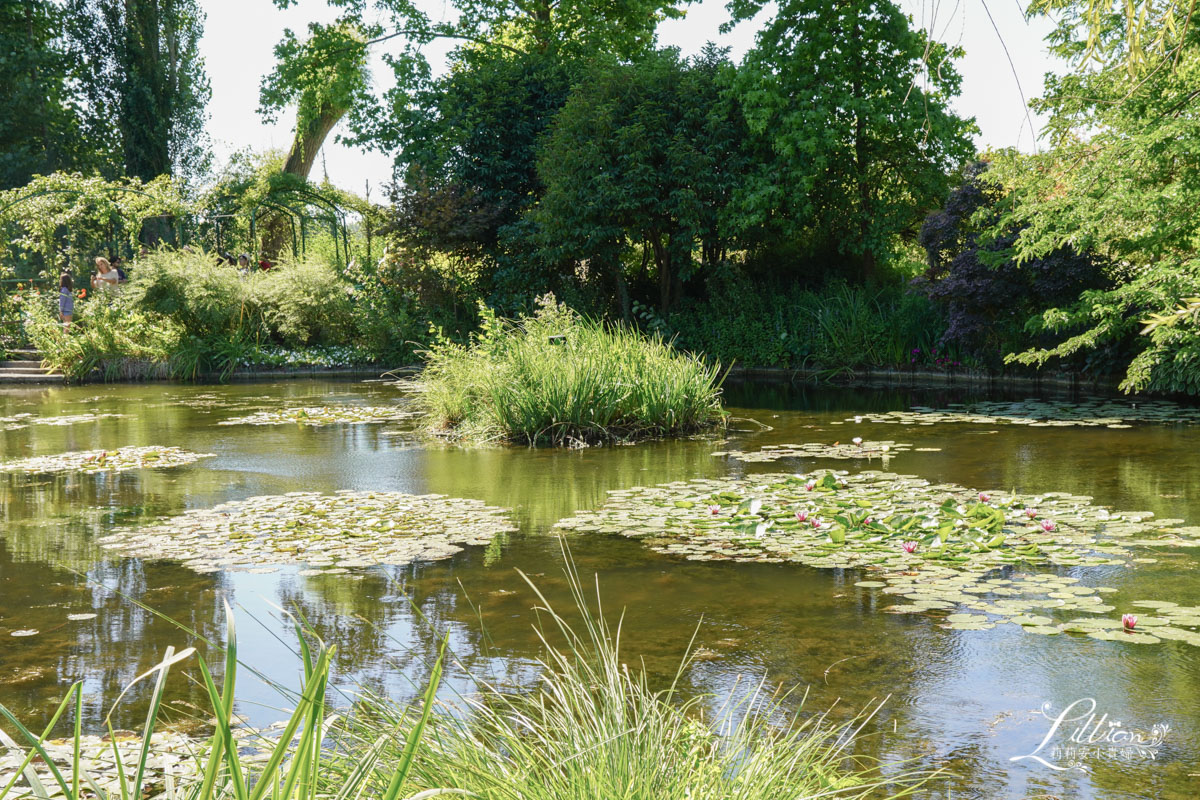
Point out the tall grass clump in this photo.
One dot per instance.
(594, 729)
(557, 378)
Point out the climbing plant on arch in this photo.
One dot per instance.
(66, 218)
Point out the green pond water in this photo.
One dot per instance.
(969, 701)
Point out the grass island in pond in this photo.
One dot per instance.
(557, 378)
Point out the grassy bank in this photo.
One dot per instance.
(557, 378)
(591, 729)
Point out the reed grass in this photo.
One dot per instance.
(558, 378)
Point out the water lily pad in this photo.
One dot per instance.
(326, 415)
(121, 459)
(349, 529)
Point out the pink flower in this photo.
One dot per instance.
(714, 509)
(909, 547)
(867, 521)
(1048, 525)
(1031, 512)
(808, 487)
(801, 516)
(816, 522)
(984, 498)
(1129, 621)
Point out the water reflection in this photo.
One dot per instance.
(966, 700)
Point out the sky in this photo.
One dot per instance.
(1003, 68)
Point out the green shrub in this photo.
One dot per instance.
(206, 297)
(304, 303)
(108, 334)
(556, 377)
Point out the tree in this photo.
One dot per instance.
(325, 76)
(643, 154)
(1122, 180)
(141, 78)
(40, 122)
(852, 106)
(989, 296)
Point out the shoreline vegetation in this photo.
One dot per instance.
(556, 378)
(591, 728)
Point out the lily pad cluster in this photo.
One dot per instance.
(328, 532)
(24, 420)
(941, 547)
(118, 460)
(1044, 413)
(837, 450)
(325, 415)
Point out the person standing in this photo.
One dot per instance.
(106, 277)
(66, 300)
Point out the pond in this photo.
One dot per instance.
(968, 700)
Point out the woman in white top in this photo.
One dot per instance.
(106, 277)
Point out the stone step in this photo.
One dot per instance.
(7, 376)
(21, 364)
(25, 354)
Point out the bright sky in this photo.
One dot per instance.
(240, 36)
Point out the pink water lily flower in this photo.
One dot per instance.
(1129, 621)
(714, 509)
(1031, 512)
(984, 498)
(816, 522)
(909, 547)
(801, 516)
(1048, 525)
(808, 487)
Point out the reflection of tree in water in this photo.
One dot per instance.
(121, 642)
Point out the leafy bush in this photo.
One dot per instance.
(987, 295)
(108, 334)
(556, 377)
(206, 297)
(304, 303)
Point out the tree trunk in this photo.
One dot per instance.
(861, 167)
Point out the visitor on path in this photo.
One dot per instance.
(66, 300)
(243, 264)
(105, 277)
(117, 265)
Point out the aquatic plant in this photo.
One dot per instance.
(26, 419)
(1129, 621)
(858, 449)
(935, 545)
(231, 765)
(326, 532)
(594, 729)
(557, 378)
(325, 415)
(1045, 413)
(120, 459)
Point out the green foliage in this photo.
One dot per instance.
(832, 329)
(852, 106)
(41, 127)
(557, 378)
(304, 303)
(65, 220)
(648, 154)
(143, 81)
(1120, 181)
(108, 334)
